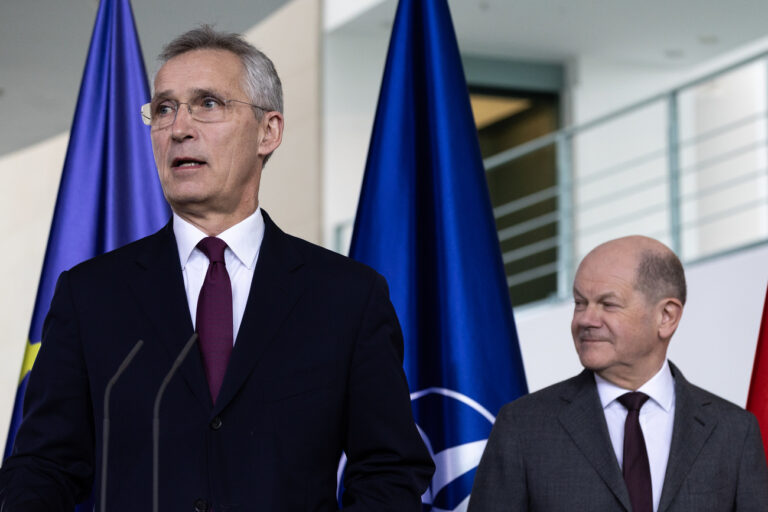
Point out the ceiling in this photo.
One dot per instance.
(647, 32)
(43, 43)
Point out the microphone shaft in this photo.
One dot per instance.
(105, 421)
(156, 422)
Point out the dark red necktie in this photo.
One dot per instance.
(637, 469)
(214, 314)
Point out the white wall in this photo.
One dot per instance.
(353, 67)
(291, 185)
(620, 169)
(338, 12)
(30, 180)
(720, 184)
(714, 345)
(597, 87)
(633, 151)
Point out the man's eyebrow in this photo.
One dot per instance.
(198, 92)
(604, 296)
(161, 95)
(195, 93)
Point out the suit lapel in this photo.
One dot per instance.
(275, 289)
(693, 424)
(158, 284)
(584, 420)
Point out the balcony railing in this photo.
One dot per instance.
(688, 167)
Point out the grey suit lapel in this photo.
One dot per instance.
(693, 425)
(584, 420)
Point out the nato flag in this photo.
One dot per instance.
(425, 222)
(109, 193)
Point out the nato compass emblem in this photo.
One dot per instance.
(455, 429)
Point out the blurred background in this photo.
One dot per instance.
(596, 119)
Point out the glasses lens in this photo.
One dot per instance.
(146, 113)
(208, 110)
(159, 115)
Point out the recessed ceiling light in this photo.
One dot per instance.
(709, 39)
(674, 53)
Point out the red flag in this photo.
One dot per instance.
(757, 402)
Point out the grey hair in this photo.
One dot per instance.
(660, 275)
(262, 85)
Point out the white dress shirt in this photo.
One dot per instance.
(243, 243)
(657, 418)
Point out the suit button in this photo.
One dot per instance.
(216, 423)
(201, 505)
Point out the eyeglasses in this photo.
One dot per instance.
(206, 109)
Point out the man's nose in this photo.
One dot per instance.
(183, 125)
(589, 316)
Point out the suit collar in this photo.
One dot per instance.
(694, 423)
(243, 239)
(158, 285)
(660, 388)
(276, 287)
(583, 419)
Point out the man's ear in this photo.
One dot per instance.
(670, 312)
(272, 124)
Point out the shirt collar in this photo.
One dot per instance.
(660, 387)
(243, 239)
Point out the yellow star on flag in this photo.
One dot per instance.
(30, 354)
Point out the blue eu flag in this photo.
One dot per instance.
(425, 222)
(109, 193)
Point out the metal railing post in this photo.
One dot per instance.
(673, 158)
(565, 214)
(338, 238)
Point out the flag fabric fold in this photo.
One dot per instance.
(757, 401)
(109, 194)
(425, 222)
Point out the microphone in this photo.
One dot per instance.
(105, 421)
(156, 421)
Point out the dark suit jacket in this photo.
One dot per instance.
(316, 369)
(550, 451)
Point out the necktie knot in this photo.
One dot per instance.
(633, 400)
(213, 248)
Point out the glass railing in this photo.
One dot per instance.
(688, 167)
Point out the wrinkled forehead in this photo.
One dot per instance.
(218, 71)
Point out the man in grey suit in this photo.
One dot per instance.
(582, 445)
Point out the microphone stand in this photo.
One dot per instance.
(156, 422)
(105, 421)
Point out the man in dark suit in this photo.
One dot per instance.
(299, 356)
(629, 433)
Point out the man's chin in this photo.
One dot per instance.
(593, 358)
(183, 199)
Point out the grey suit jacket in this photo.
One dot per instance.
(550, 451)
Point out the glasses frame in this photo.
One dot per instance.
(146, 112)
